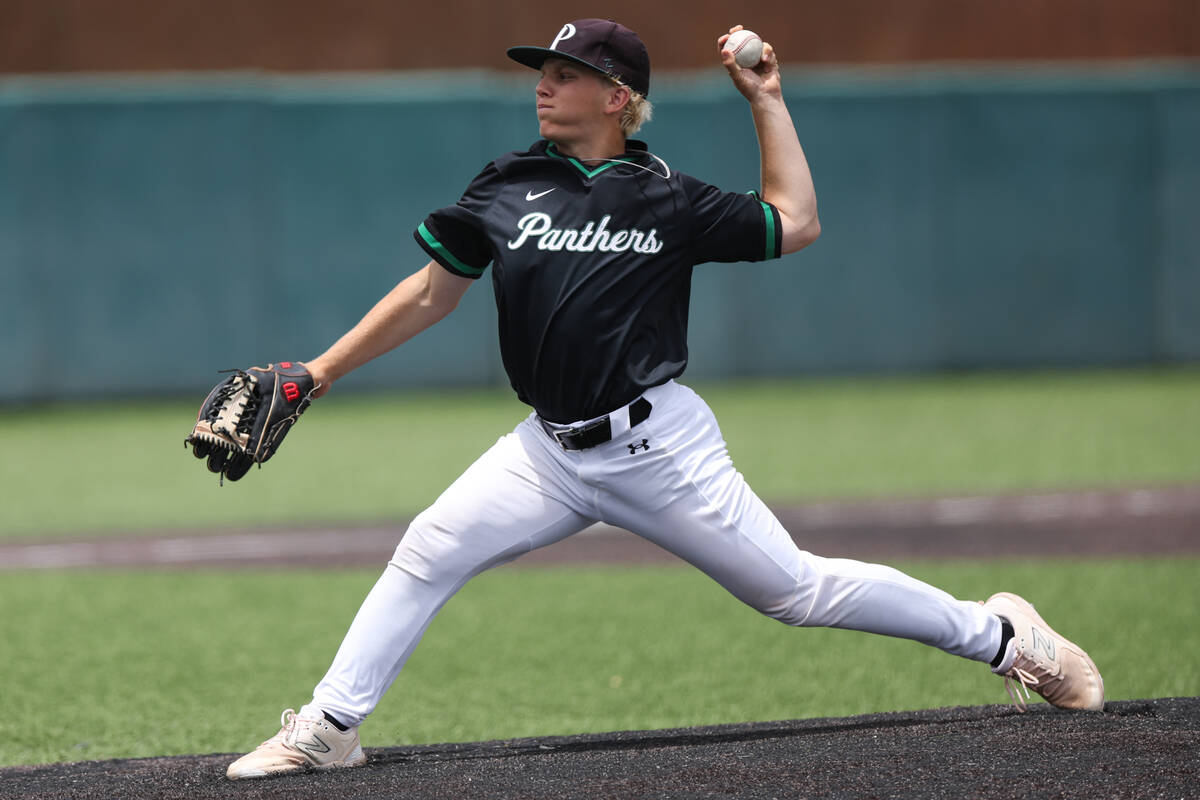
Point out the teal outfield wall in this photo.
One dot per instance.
(971, 219)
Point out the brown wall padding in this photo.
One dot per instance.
(318, 35)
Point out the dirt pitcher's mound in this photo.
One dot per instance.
(1135, 749)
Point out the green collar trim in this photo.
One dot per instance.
(551, 150)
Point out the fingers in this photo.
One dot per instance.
(729, 62)
(217, 458)
(768, 56)
(765, 63)
(237, 466)
(725, 37)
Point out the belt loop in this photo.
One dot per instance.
(619, 420)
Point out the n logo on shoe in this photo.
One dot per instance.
(316, 747)
(1043, 642)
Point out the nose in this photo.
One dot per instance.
(543, 90)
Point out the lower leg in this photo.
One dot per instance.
(384, 633)
(492, 514)
(878, 599)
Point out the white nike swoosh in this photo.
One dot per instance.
(531, 196)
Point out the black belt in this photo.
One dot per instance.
(597, 431)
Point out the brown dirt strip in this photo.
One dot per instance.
(1113, 523)
(1135, 749)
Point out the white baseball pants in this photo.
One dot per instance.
(675, 486)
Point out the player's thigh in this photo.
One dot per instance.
(685, 495)
(748, 552)
(505, 504)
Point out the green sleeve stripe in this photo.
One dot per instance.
(440, 250)
(772, 237)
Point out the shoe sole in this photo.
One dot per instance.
(259, 774)
(1025, 607)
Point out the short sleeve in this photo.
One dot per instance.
(455, 236)
(728, 226)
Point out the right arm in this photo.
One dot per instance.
(417, 302)
(786, 181)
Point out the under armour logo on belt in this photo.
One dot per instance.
(633, 448)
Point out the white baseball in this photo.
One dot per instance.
(746, 47)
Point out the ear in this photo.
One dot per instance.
(617, 100)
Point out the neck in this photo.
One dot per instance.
(592, 149)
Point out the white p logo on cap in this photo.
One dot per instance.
(567, 32)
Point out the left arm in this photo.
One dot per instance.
(786, 181)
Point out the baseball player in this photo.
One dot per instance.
(591, 240)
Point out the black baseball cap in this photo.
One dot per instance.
(601, 44)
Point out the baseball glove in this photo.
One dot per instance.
(245, 417)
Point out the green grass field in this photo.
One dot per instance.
(118, 664)
(144, 663)
(73, 471)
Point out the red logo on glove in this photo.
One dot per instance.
(285, 365)
(291, 392)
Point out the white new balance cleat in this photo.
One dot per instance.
(1042, 660)
(303, 743)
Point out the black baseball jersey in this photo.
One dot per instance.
(592, 268)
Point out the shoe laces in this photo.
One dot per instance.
(291, 722)
(1017, 682)
(1030, 671)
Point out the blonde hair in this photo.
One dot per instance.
(637, 112)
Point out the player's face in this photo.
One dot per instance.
(571, 101)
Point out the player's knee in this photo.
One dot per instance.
(789, 607)
(421, 551)
(786, 611)
(793, 604)
(439, 549)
